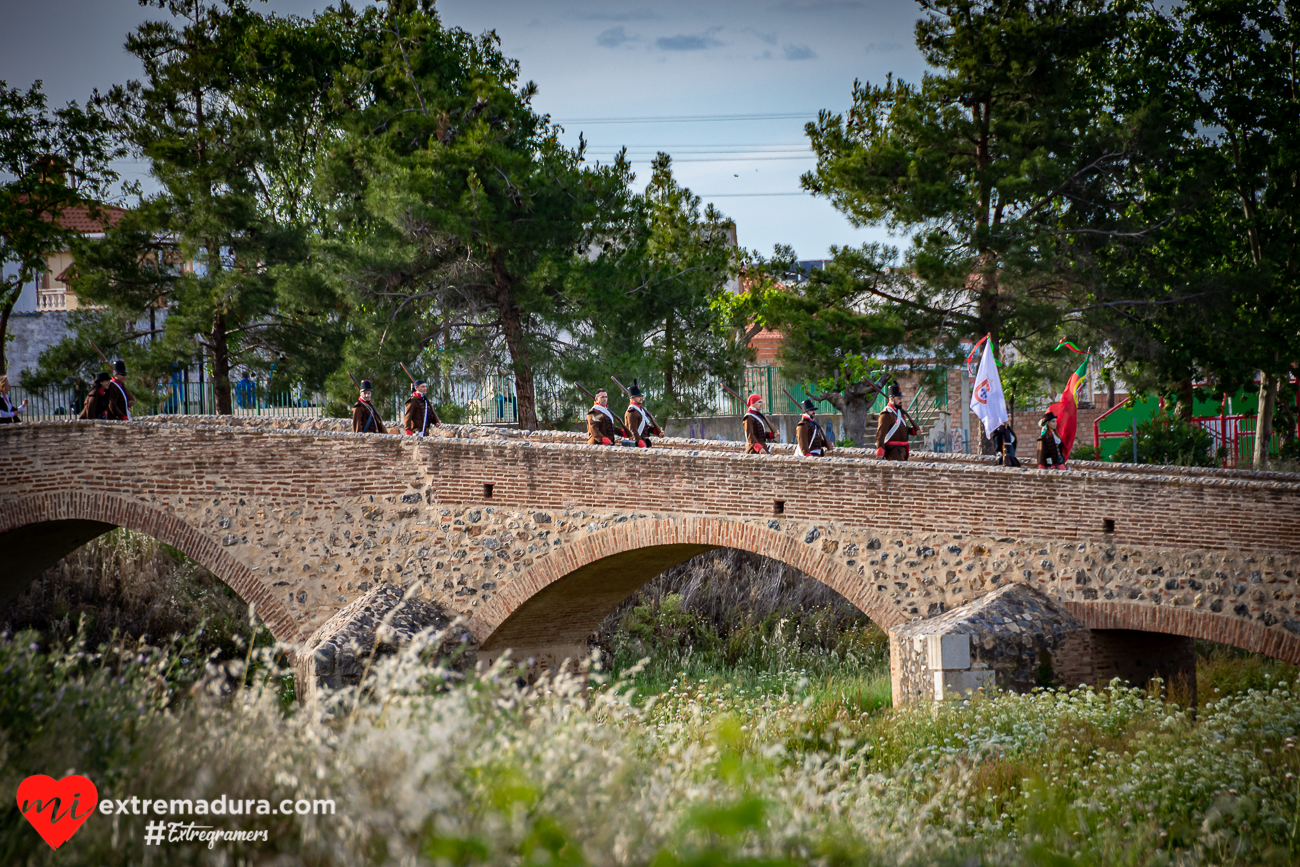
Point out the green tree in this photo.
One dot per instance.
(461, 217)
(997, 162)
(52, 160)
(1231, 185)
(833, 333)
(228, 114)
(654, 305)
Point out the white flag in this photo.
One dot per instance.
(986, 399)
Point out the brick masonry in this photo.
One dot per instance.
(535, 537)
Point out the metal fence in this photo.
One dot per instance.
(174, 399)
(489, 400)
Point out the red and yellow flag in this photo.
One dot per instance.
(1067, 409)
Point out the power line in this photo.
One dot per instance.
(697, 144)
(744, 195)
(727, 159)
(698, 151)
(686, 118)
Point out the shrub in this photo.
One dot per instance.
(483, 773)
(1170, 440)
(1085, 452)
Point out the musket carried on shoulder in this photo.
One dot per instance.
(622, 435)
(817, 427)
(658, 431)
(767, 449)
(100, 354)
(743, 406)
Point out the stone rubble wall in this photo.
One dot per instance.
(379, 623)
(490, 524)
(1013, 638)
(1016, 640)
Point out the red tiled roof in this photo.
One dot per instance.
(79, 218)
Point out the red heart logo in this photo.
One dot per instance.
(54, 807)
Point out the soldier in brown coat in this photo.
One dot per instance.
(813, 442)
(420, 415)
(638, 420)
(96, 405)
(365, 418)
(758, 431)
(894, 429)
(602, 429)
(119, 400)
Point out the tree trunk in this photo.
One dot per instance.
(1110, 394)
(512, 329)
(854, 403)
(669, 358)
(1185, 399)
(1264, 419)
(4, 331)
(219, 348)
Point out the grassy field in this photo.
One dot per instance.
(755, 734)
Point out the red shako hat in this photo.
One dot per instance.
(753, 399)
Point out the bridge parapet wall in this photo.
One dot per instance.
(317, 518)
(708, 446)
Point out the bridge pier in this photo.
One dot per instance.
(1016, 640)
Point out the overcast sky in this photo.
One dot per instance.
(650, 65)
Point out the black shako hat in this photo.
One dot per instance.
(895, 390)
(119, 367)
(808, 405)
(365, 385)
(418, 383)
(1048, 416)
(635, 390)
(101, 378)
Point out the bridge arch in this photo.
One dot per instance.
(38, 531)
(1257, 634)
(563, 597)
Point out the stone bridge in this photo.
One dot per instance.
(535, 538)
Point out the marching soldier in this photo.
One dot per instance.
(758, 433)
(638, 419)
(812, 440)
(602, 428)
(894, 429)
(365, 418)
(96, 405)
(420, 415)
(1049, 445)
(119, 400)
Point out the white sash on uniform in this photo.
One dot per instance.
(817, 432)
(898, 422)
(126, 401)
(644, 419)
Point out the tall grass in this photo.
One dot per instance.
(131, 585)
(480, 773)
(751, 622)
